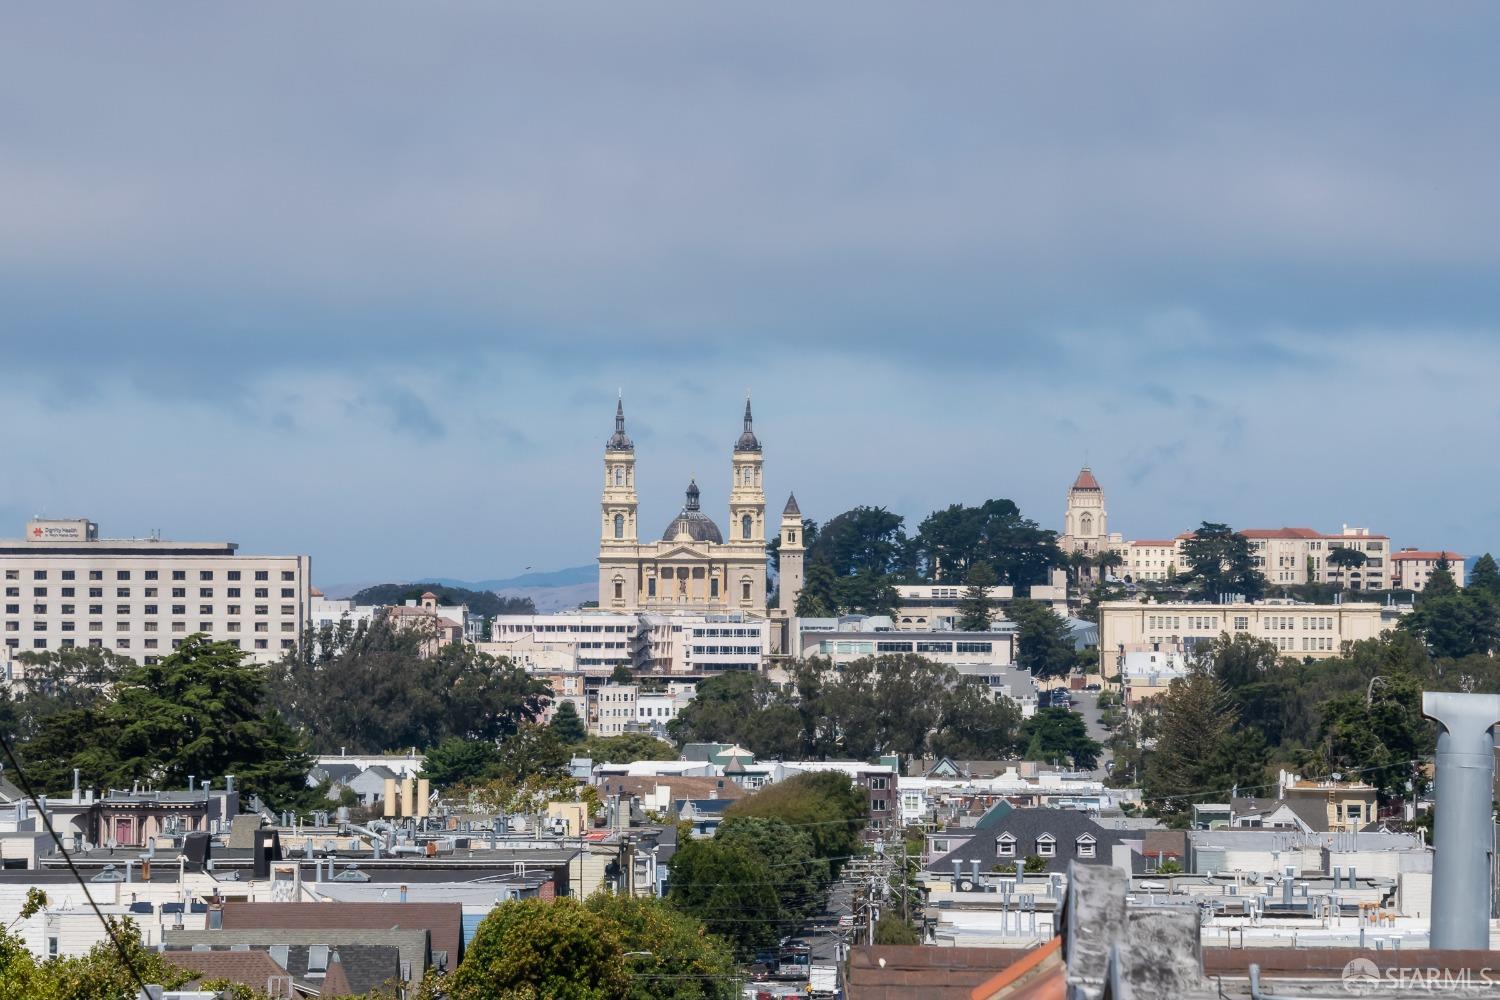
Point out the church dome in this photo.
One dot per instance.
(692, 522)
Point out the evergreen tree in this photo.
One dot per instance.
(1486, 577)
(817, 599)
(1440, 582)
(1220, 562)
(1199, 753)
(1044, 645)
(976, 609)
(567, 726)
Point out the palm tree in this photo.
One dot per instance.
(1107, 560)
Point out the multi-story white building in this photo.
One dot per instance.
(702, 645)
(1317, 631)
(1411, 568)
(140, 597)
(593, 642)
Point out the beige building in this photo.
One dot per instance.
(1152, 559)
(1086, 521)
(1317, 631)
(1411, 568)
(140, 597)
(692, 567)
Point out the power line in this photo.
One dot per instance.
(109, 927)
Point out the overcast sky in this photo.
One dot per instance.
(363, 281)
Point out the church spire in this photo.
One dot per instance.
(748, 440)
(618, 441)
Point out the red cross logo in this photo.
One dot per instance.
(36, 532)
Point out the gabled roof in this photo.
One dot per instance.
(1027, 826)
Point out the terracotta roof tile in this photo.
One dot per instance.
(1086, 480)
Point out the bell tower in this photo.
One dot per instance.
(747, 494)
(791, 554)
(617, 525)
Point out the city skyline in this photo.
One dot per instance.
(374, 300)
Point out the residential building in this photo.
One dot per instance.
(141, 597)
(1152, 559)
(878, 782)
(925, 606)
(1412, 568)
(439, 626)
(702, 645)
(615, 709)
(691, 567)
(1316, 631)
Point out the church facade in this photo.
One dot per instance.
(692, 567)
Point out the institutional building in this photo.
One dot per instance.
(1411, 568)
(1284, 556)
(692, 567)
(65, 586)
(1317, 631)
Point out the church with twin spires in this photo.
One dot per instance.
(693, 567)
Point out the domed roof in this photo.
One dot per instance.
(692, 522)
(748, 441)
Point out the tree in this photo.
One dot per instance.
(1455, 624)
(369, 688)
(57, 681)
(669, 955)
(199, 711)
(800, 876)
(1440, 582)
(974, 724)
(1060, 733)
(1034, 864)
(107, 972)
(622, 674)
(952, 540)
(1199, 754)
(817, 598)
(865, 593)
(531, 752)
(730, 890)
(459, 762)
(1220, 562)
(826, 803)
(554, 948)
(1485, 577)
(480, 602)
(1108, 560)
(1346, 558)
(976, 609)
(891, 929)
(567, 726)
(862, 540)
(1044, 645)
(627, 748)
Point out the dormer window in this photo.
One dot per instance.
(1046, 846)
(1086, 846)
(1005, 846)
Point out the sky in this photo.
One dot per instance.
(364, 281)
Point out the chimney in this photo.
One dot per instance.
(192, 782)
(228, 784)
(424, 792)
(389, 803)
(75, 784)
(1462, 815)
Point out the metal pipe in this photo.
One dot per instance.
(1463, 790)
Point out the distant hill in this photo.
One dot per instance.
(480, 602)
(572, 576)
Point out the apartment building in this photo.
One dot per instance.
(1411, 568)
(1152, 559)
(702, 645)
(1317, 631)
(65, 586)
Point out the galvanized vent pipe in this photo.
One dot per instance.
(1464, 835)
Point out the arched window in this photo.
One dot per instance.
(748, 476)
(619, 589)
(791, 538)
(744, 590)
(745, 526)
(1086, 525)
(619, 525)
(619, 475)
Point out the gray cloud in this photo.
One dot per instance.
(468, 225)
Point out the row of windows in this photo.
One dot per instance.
(726, 650)
(96, 626)
(145, 644)
(563, 628)
(148, 609)
(287, 576)
(726, 633)
(149, 592)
